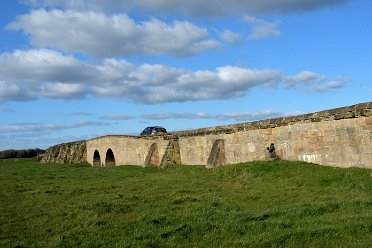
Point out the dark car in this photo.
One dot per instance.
(153, 130)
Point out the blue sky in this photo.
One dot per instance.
(73, 70)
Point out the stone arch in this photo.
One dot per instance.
(96, 159)
(110, 158)
(152, 158)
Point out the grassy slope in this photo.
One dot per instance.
(273, 204)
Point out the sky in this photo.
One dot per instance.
(77, 69)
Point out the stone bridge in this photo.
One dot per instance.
(339, 137)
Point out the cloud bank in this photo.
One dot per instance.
(31, 74)
(51, 74)
(100, 35)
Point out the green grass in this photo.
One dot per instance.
(276, 204)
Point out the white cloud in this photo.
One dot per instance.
(100, 35)
(155, 74)
(261, 29)
(42, 65)
(205, 8)
(333, 85)
(118, 117)
(229, 36)
(304, 77)
(41, 140)
(44, 127)
(139, 83)
(37, 134)
(62, 90)
(74, 113)
(11, 92)
(79, 113)
(222, 83)
(120, 79)
(308, 81)
(113, 70)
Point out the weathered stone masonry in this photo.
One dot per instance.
(339, 137)
(74, 152)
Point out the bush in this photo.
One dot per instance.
(29, 153)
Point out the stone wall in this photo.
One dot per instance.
(74, 153)
(339, 137)
(343, 143)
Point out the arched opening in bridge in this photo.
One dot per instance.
(96, 159)
(110, 158)
(152, 158)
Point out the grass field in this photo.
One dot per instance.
(276, 204)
